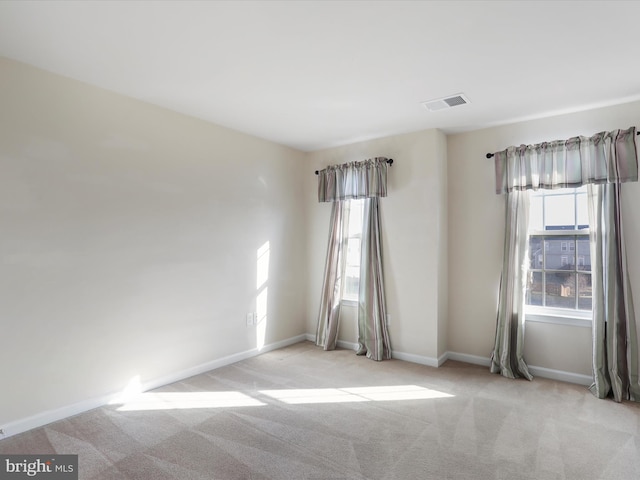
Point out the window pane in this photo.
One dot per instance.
(355, 216)
(583, 255)
(584, 292)
(559, 211)
(535, 253)
(352, 269)
(583, 211)
(558, 253)
(535, 213)
(352, 261)
(534, 290)
(353, 252)
(351, 283)
(561, 290)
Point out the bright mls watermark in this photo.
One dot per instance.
(50, 467)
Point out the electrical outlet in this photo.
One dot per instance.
(250, 318)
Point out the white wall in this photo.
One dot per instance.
(476, 227)
(413, 217)
(128, 241)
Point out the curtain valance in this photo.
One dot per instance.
(353, 180)
(606, 157)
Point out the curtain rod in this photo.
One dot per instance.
(490, 155)
(390, 162)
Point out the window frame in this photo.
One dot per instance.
(550, 314)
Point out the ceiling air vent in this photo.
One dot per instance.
(446, 102)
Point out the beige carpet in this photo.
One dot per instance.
(301, 413)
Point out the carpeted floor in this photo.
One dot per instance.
(302, 413)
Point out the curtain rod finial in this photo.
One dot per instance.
(317, 172)
(489, 155)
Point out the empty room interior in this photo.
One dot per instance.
(321, 240)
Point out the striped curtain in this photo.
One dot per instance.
(365, 179)
(507, 357)
(373, 337)
(606, 157)
(329, 316)
(339, 184)
(615, 344)
(603, 162)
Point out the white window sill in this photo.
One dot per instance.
(559, 317)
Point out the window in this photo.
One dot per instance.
(558, 235)
(352, 261)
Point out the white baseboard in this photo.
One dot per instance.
(420, 359)
(568, 377)
(543, 372)
(340, 343)
(466, 358)
(49, 416)
(220, 362)
(347, 345)
(408, 357)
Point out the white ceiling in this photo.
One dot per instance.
(316, 74)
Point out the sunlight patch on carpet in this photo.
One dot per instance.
(358, 394)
